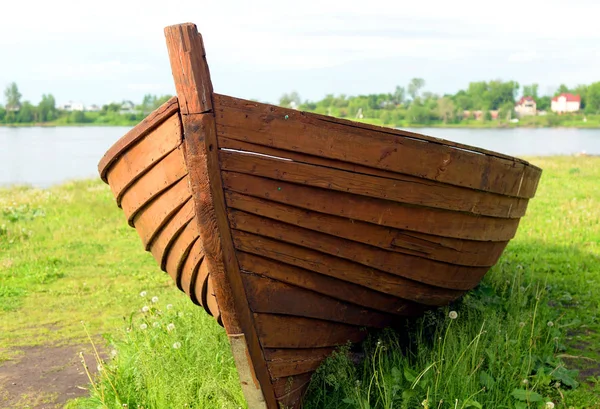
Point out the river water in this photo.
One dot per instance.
(43, 156)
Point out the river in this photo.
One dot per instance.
(43, 156)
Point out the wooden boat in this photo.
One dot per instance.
(297, 231)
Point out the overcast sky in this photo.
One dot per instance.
(109, 50)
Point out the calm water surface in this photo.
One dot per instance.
(46, 156)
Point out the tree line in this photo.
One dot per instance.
(17, 111)
(411, 105)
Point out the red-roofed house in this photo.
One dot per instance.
(566, 103)
(526, 106)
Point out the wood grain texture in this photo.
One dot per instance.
(426, 271)
(159, 178)
(419, 192)
(140, 131)
(288, 362)
(160, 246)
(194, 90)
(266, 295)
(140, 157)
(190, 269)
(179, 252)
(290, 390)
(430, 221)
(337, 277)
(449, 250)
(303, 132)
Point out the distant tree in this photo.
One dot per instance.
(77, 117)
(47, 108)
(286, 100)
(506, 110)
(2, 113)
(531, 91)
(415, 86)
(417, 113)
(26, 113)
(593, 98)
(562, 89)
(543, 103)
(13, 101)
(399, 95)
(445, 109)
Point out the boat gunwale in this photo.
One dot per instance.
(138, 132)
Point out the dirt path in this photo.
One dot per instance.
(44, 377)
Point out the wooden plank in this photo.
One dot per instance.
(179, 252)
(266, 295)
(426, 271)
(336, 277)
(150, 220)
(290, 390)
(412, 191)
(377, 211)
(303, 132)
(139, 158)
(162, 176)
(284, 331)
(148, 124)
(287, 362)
(211, 299)
(192, 81)
(160, 246)
(190, 269)
(456, 251)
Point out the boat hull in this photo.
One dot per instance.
(298, 231)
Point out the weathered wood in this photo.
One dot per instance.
(139, 158)
(426, 271)
(337, 277)
(266, 295)
(414, 192)
(190, 269)
(288, 362)
(179, 251)
(290, 390)
(463, 252)
(284, 331)
(161, 177)
(160, 246)
(293, 130)
(150, 220)
(201, 286)
(211, 299)
(431, 221)
(148, 124)
(194, 89)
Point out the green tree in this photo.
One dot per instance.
(415, 86)
(593, 98)
(77, 117)
(286, 100)
(399, 95)
(13, 101)
(27, 113)
(445, 109)
(543, 103)
(531, 91)
(47, 108)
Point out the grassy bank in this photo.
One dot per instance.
(67, 255)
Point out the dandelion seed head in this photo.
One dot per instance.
(169, 306)
(549, 405)
(177, 345)
(113, 353)
(156, 324)
(550, 324)
(143, 327)
(145, 308)
(557, 384)
(155, 299)
(525, 381)
(142, 294)
(453, 315)
(521, 324)
(170, 327)
(100, 367)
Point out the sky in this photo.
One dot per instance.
(111, 50)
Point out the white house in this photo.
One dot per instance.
(566, 103)
(526, 106)
(72, 106)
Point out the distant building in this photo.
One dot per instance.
(565, 103)
(92, 108)
(526, 106)
(127, 107)
(494, 114)
(72, 106)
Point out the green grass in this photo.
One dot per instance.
(67, 255)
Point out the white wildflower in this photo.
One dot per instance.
(155, 299)
(453, 315)
(142, 294)
(145, 308)
(170, 327)
(169, 306)
(143, 327)
(549, 405)
(113, 353)
(100, 367)
(550, 324)
(524, 381)
(177, 345)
